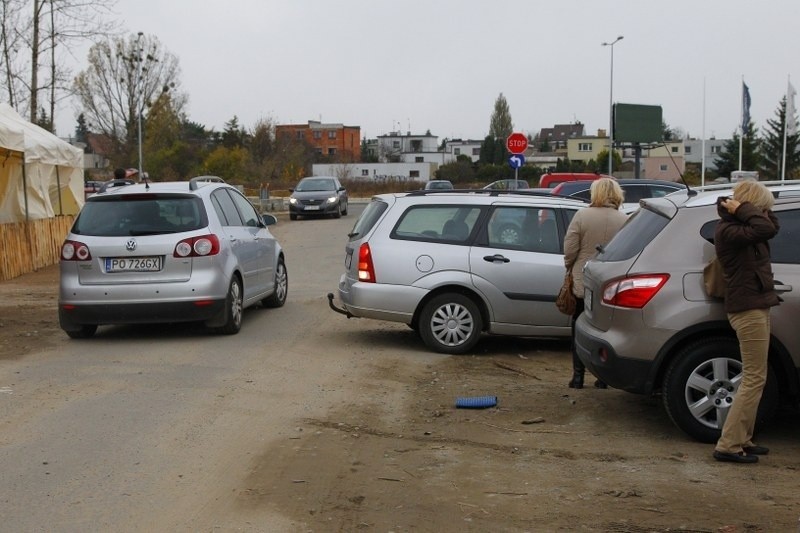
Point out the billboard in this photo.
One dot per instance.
(635, 123)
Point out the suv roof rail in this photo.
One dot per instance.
(116, 183)
(492, 192)
(195, 182)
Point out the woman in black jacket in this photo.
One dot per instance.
(741, 242)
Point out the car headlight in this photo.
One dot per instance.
(292, 201)
(332, 199)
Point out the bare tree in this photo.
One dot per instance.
(37, 35)
(124, 78)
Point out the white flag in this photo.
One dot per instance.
(791, 122)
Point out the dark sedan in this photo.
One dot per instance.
(318, 196)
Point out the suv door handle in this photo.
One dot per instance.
(781, 288)
(495, 257)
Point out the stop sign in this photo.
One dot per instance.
(516, 143)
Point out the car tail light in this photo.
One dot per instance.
(75, 251)
(366, 269)
(202, 246)
(633, 291)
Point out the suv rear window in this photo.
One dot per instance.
(641, 228)
(140, 215)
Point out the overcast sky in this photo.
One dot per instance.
(439, 65)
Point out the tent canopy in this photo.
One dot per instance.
(46, 181)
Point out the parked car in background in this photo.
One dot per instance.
(168, 252)
(318, 196)
(508, 185)
(650, 328)
(91, 187)
(453, 265)
(635, 190)
(552, 179)
(433, 185)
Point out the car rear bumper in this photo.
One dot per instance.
(600, 358)
(72, 317)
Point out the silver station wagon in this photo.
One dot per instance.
(168, 252)
(455, 264)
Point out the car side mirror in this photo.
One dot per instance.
(268, 219)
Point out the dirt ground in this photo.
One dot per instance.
(399, 456)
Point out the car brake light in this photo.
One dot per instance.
(633, 291)
(366, 269)
(75, 251)
(201, 246)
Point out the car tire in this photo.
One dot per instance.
(509, 234)
(278, 297)
(292, 216)
(338, 212)
(85, 332)
(450, 323)
(344, 211)
(698, 387)
(233, 309)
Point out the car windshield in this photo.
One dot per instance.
(316, 185)
(148, 215)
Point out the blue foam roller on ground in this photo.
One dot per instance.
(476, 402)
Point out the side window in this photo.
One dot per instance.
(785, 246)
(523, 228)
(443, 223)
(634, 193)
(226, 209)
(246, 209)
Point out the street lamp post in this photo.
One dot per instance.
(139, 97)
(611, 107)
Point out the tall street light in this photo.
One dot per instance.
(611, 107)
(139, 97)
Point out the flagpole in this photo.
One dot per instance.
(785, 128)
(741, 125)
(703, 142)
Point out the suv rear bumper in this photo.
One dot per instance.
(631, 375)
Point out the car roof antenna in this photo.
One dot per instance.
(689, 190)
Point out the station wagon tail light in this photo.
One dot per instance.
(75, 251)
(366, 269)
(634, 291)
(202, 246)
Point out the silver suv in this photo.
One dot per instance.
(168, 252)
(453, 264)
(649, 326)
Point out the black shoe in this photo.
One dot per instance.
(756, 450)
(740, 457)
(576, 382)
(600, 385)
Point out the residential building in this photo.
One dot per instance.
(693, 150)
(456, 147)
(331, 140)
(398, 172)
(586, 148)
(396, 147)
(557, 136)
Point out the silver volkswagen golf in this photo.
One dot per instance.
(454, 264)
(168, 252)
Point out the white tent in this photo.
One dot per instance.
(41, 176)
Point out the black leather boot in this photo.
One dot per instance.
(577, 373)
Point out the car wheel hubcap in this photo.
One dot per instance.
(281, 282)
(710, 390)
(236, 303)
(452, 324)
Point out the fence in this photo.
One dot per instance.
(29, 246)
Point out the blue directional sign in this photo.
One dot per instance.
(516, 160)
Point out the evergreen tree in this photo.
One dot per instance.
(772, 147)
(81, 129)
(500, 126)
(233, 136)
(728, 159)
(487, 151)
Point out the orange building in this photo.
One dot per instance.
(335, 141)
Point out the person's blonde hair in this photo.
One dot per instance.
(606, 192)
(754, 192)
